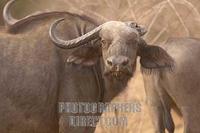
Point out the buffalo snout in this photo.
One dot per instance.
(118, 61)
(118, 65)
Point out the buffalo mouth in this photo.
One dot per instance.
(118, 74)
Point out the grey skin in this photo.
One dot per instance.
(35, 75)
(180, 87)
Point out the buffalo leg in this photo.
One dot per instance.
(191, 119)
(169, 123)
(156, 114)
(159, 104)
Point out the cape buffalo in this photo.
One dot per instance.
(179, 89)
(35, 75)
(121, 44)
(170, 70)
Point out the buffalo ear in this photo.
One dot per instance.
(155, 57)
(86, 56)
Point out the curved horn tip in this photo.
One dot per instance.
(6, 13)
(69, 44)
(140, 28)
(61, 19)
(52, 33)
(54, 24)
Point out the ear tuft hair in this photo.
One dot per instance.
(149, 71)
(155, 59)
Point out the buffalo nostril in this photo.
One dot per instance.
(109, 62)
(125, 62)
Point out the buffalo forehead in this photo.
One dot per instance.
(115, 29)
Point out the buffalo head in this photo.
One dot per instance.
(121, 44)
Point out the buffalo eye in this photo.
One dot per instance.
(105, 44)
